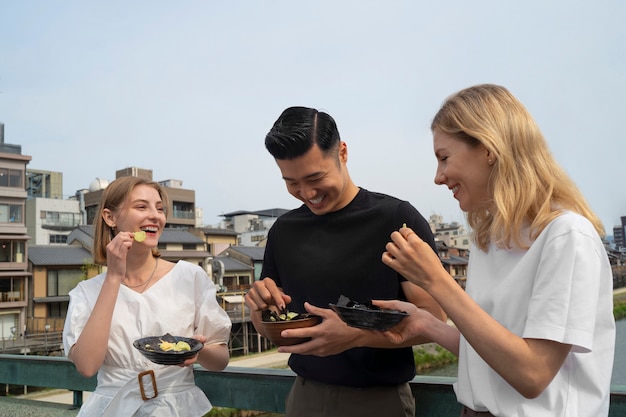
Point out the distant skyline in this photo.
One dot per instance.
(190, 89)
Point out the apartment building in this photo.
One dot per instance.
(251, 226)
(14, 275)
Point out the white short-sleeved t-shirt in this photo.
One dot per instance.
(182, 303)
(559, 289)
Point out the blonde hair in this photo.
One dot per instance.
(528, 186)
(113, 198)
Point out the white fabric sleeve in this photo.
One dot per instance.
(77, 315)
(211, 320)
(564, 300)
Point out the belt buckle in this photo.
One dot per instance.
(154, 385)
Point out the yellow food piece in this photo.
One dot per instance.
(182, 345)
(140, 236)
(403, 224)
(167, 346)
(176, 347)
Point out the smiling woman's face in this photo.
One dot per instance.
(143, 210)
(464, 169)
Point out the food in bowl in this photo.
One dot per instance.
(168, 349)
(274, 323)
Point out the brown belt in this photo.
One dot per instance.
(468, 412)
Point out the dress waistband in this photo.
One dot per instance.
(168, 379)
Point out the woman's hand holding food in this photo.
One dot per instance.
(194, 359)
(117, 251)
(413, 258)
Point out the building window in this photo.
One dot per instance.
(11, 178)
(11, 213)
(58, 238)
(182, 210)
(244, 280)
(62, 281)
(59, 219)
(58, 310)
(12, 289)
(190, 246)
(11, 251)
(92, 212)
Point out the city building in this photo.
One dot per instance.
(44, 184)
(49, 220)
(452, 234)
(56, 270)
(216, 240)
(454, 260)
(14, 274)
(252, 227)
(251, 256)
(619, 234)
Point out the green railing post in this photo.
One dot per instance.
(78, 399)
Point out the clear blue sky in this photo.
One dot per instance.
(189, 89)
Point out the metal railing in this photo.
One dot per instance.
(239, 388)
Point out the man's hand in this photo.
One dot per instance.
(330, 337)
(265, 293)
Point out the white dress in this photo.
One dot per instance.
(182, 303)
(560, 289)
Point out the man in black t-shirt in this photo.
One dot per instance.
(331, 246)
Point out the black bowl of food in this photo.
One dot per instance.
(168, 349)
(366, 315)
(274, 323)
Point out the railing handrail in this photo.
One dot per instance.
(258, 389)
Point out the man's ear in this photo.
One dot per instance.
(343, 152)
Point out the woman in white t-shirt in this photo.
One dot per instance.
(534, 330)
(141, 295)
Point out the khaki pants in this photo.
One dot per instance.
(309, 398)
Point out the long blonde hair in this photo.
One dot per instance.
(113, 197)
(528, 186)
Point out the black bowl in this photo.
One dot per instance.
(149, 347)
(366, 315)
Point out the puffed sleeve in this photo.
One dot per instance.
(77, 315)
(211, 320)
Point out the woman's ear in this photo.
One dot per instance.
(107, 216)
(491, 159)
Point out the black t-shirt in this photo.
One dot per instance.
(318, 258)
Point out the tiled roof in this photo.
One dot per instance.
(179, 236)
(231, 264)
(218, 232)
(253, 252)
(455, 260)
(43, 255)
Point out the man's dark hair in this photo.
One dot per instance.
(297, 129)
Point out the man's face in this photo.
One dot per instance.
(319, 180)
